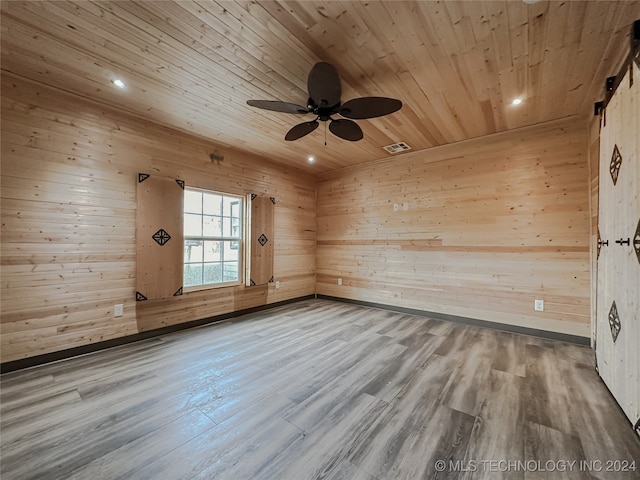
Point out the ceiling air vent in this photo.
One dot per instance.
(397, 147)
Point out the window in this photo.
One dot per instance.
(212, 238)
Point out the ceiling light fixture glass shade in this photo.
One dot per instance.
(118, 83)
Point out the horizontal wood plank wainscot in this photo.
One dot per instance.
(69, 172)
(490, 225)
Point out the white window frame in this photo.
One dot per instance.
(237, 241)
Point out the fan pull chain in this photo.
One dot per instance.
(325, 134)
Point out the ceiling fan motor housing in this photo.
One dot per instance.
(324, 101)
(323, 113)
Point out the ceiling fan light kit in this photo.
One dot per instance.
(324, 89)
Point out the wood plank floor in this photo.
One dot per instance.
(318, 389)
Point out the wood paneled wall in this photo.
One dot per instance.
(491, 225)
(69, 170)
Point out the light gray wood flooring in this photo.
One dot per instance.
(318, 389)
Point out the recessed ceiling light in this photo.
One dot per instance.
(516, 101)
(311, 159)
(118, 83)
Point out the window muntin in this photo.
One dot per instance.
(212, 238)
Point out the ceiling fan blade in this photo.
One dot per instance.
(346, 129)
(301, 130)
(324, 85)
(370, 107)
(278, 106)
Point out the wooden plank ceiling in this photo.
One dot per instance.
(456, 66)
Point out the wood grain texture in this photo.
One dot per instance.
(69, 173)
(159, 265)
(594, 190)
(310, 390)
(261, 264)
(618, 274)
(455, 65)
(491, 224)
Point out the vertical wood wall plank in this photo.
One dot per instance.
(159, 237)
(618, 265)
(262, 216)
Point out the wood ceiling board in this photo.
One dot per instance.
(455, 65)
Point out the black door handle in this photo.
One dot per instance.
(601, 243)
(623, 242)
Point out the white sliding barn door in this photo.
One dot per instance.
(618, 289)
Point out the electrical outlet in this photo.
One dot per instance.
(396, 207)
(118, 310)
(538, 305)
(277, 285)
(339, 281)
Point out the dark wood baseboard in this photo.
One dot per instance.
(28, 362)
(563, 337)
(317, 388)
(94, 347)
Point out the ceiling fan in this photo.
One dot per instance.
(324, 89)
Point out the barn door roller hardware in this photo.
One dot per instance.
(623, 241)
(613, 82)
(597, 108)
(634, 38)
